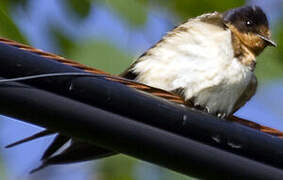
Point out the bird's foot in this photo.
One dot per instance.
(221, 115)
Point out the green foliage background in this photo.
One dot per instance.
(105, 55)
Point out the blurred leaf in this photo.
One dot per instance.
(101, 55)
(2, 168)
(11, 3)
(8, 28)
(133, 11)
(81, 8)
(64, 42)
(125, 168)
(279, 41)
(169, 175)
(20, 2)
(117, 167)
(270, 63)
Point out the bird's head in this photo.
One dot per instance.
(251, 26)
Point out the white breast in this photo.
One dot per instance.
(201, 61)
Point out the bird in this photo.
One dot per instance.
(209, 61)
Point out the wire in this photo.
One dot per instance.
(23, 78)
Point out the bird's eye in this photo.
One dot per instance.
(249, 23)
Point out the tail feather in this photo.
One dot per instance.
(38, 168)
(76, 152)
(30, 138)
(57, 143)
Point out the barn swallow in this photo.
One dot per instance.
(208, 60)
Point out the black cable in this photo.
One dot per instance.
(121, 134)
(119, 99)
(48, 75)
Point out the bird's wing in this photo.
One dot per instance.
(247, 94)
(209, 18)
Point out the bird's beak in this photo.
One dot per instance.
(268, 41)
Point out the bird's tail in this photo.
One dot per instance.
(60, 152)
(30, 138)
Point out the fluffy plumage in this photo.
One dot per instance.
(207, 60)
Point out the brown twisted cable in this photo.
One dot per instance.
(257, 126)
(132, 84)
